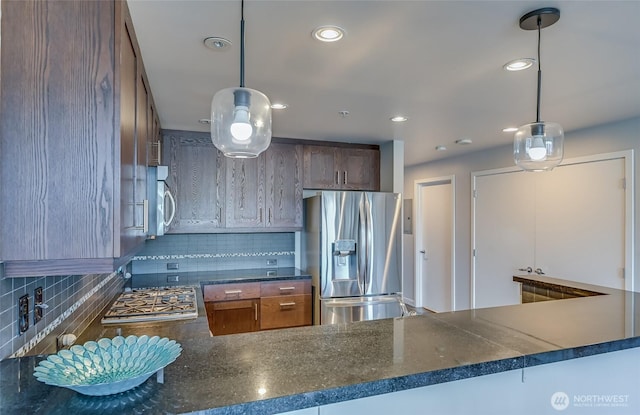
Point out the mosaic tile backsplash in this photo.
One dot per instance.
(215, 252)
(72, 303)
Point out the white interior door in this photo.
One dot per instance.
(571, 223)
(504, 236)
(434, 245)
(580, 226)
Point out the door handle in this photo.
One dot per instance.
(527, 269)
(422, 252)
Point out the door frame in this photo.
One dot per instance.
(629, 226)
(419, 221)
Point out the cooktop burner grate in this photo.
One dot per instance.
(153, 304)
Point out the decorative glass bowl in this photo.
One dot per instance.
(108, 366)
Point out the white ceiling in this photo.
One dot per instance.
(437, 62)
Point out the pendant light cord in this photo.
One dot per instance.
(539, 72)
(242, 46)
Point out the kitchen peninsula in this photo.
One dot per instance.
(277, 371)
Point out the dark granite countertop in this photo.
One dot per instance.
(276, 371)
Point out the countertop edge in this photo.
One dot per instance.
(417, 380)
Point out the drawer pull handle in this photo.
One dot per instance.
(291, 304)
(287, 288)
(232, 292)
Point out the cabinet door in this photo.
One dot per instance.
(359, 169)
(284, 185)
(229, 317)
(245, 192)
(142, 133)
(320, 167)
(128, 82)
(153, 141)
(197, 178)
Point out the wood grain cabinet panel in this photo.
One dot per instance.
(284, 288)
(359, 169)
(321, 169)
(226, 292)
(245, 187)
(197, 178)
(70, 137)
(250, 306)
(231, 317)
(284, 172)
(218, 194)
(341, 168)
(285, 311)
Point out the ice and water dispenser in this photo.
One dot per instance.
(345, 267)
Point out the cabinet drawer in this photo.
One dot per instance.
(229, 317)
(285, 311)
(226, 292)
(288, 288)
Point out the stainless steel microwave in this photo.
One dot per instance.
(162, 204)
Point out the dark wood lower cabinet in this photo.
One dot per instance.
(285, 311)
(252, 306)
(229, 317)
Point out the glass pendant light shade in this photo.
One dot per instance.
(538, 146)
(241, 122)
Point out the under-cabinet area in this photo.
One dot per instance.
(252, 306)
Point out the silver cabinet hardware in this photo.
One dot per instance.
(255, 308)
(527, 269)
(287, 288)
(232, 292)
(291, 304)
(539, 271)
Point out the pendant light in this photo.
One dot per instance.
(241, 117)
(538, 146)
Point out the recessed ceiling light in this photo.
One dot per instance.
(278, 106)
(464, 141)
(510, 130)
(217, 43)
(441, 148)
(399, 118)
(328, 33)
(518, 64)
(204, 121)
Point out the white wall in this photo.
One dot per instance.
(623, 135)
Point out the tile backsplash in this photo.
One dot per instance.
(215, 252)
(72, 303)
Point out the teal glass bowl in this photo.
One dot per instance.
(108, 366)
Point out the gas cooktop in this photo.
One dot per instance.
(153, 304)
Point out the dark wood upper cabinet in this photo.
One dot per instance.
(197, 178)
(72, 134)
(219, 194)
(284, 173)
(245, 192)
(341, 167)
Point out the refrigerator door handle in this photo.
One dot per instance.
(369, 241)
(362, 246)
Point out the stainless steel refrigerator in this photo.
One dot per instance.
(352, 247)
